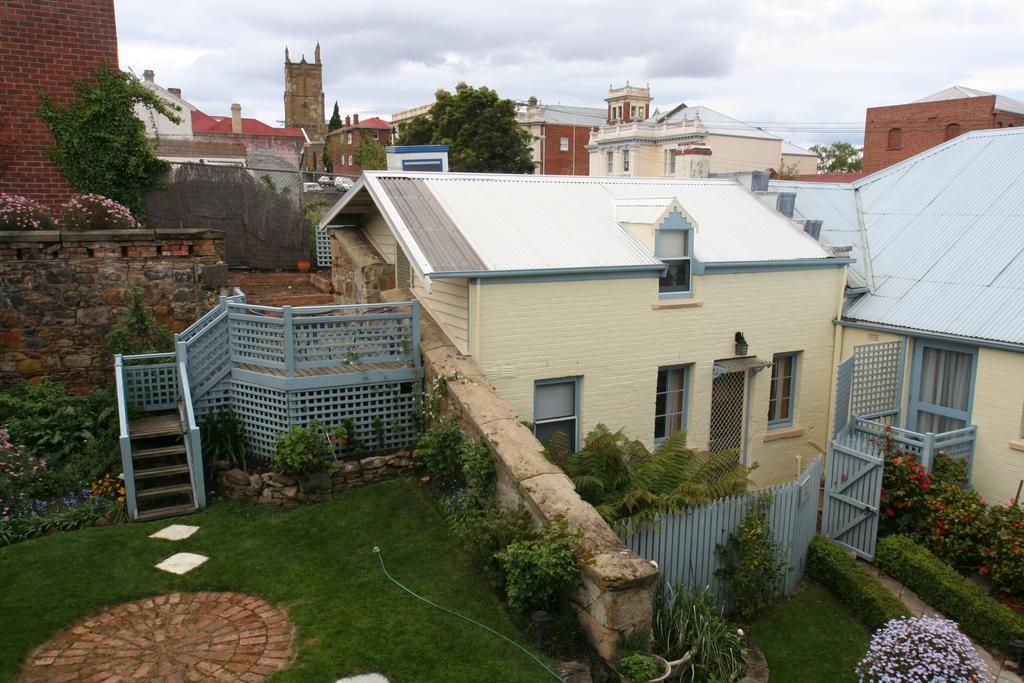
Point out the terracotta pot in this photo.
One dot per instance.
(302, 265)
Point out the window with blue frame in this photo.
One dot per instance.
(782, 393)
(941, 385)
(673, 245)
(556, 410)
(670, 401)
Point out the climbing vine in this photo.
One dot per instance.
(100, 144)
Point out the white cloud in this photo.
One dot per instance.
(760, 61)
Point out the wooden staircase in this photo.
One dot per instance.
(163, 483)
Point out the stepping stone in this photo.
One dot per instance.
(175, 532)
(363, 678)
(181, 563)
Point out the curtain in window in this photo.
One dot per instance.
(668, 402)
(945, 382)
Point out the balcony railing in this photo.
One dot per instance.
(957, 444)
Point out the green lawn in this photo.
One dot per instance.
(811, 637)
(314, 561)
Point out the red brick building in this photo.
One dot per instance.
(343, 143)
(560, 136)
(898, 132)
(43, 47)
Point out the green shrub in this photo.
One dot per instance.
(439, 448)
(1002, 549)
(485, 530)
(938, 584)
(72, 440)
(625, 481)
(830, 565)
(752, 567)
(687, 620)
(22, 213)
(32, 526)
(96, 212)
(302, 450)
(538, 569)
(637, 666)
(477, 469)
(137, 331)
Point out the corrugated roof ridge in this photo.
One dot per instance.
(533, 178)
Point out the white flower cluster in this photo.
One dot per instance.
(921, 650)
(21, 213)
(94, 211)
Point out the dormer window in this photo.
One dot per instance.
(674, 246)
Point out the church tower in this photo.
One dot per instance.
(304, 101)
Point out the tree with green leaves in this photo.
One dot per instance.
(479, 128)
(335, 122)
(137, 331)
(100, 145)
(327, 160)
(625, 481)
(839, 157)
(370, 155)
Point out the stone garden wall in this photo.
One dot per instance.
(284, 490)
(615, 596)
(358, 273)
(60, 292)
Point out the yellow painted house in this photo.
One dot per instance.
(931, 340)
(653, 305)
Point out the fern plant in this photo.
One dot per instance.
(625, 481)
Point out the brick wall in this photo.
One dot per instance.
(923, 126)
(340, 148)
(558, 162)
(44, 46)
(61, 292)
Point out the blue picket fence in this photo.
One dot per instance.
(683, 543)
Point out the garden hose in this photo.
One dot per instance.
(380, 556)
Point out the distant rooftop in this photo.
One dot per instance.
(959, 92)
(204, 123)
(716, 122)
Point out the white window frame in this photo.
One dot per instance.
(683, 391)
(576, 382)
(776, 395)
(675, 291)
(563, 144)
(610, 163)
(349, 138)
(625, 161)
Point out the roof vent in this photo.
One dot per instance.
(813, 228)
(786, 203)
(759, 181)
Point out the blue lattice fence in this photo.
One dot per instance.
(151, 385)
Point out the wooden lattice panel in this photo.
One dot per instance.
(151, 387)
(877, 380)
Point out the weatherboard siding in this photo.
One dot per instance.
(448, 302)
(607, 332)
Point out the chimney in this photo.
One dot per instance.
(236, 118)
(148, 75)
(348, 120)
(175, 91)
(694, 161)
(355, 119)
(813, 228)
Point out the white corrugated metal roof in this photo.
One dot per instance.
(573, 116)
(715, 122)
(957, 92)
(517, 222)
(944, 232)
(796, 150)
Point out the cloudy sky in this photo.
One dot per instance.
(806, 69)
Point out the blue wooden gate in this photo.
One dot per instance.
(853, 489)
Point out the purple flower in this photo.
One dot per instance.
(921, 650)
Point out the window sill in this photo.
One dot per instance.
(1017, 445)
(676, 303)
(783, 433)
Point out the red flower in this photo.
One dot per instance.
(983, 570)
(842, 477)
(889, 512)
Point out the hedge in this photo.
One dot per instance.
(980, 616)
(873, 603)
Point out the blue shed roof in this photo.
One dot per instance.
(938, 238)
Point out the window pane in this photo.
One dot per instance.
(930, 422)
(546, 430)
(677, 278)
(672, 243)
(668, 402)
(945, 378)
(780, 395)
(555, 400)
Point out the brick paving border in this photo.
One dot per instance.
(176, 637)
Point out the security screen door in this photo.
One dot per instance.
(727, 411)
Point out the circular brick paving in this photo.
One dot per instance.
(174, 637)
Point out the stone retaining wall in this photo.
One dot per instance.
(60, 292)
(284, 490)
(616, 593)
(358, 273)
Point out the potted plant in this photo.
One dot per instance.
(640, 667)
